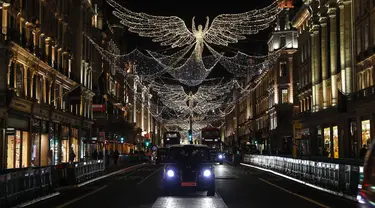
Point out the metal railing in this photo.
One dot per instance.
(79, 172)
(338, 177)
(24, 185)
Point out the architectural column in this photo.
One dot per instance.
(32, 84)
(317, 68)
(149, 113)
(61, 94)
(324, 58)
(342, 47)
(44, 90)
(291, 83)
(5, 19)
(50, 90)
(348, 47)
(143, 111)
(135, 102)
(37, 88)
(25, 77)
(333, 53)
(47, 51)
(55, 95)
(313, 77)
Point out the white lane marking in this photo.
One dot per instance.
(303, 182)
(292, 193)
(38, 200)
(149, 176)
(81, 197)
(106, 176)
(187, 202)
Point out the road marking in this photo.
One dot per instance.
(149, 176)
(353, 199)
(38, 200)
(192, 201)
(292, 193)
(106, 176)
(79, 198)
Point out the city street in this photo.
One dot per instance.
(236, 186)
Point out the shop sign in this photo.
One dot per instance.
(75, 122)
(98, 107)
(10, 131)
(21, 105)
(297, 130)
(60, 118)
(41, 111)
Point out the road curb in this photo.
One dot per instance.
(100, 177)
(351, 198)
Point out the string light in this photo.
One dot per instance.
(172, 30)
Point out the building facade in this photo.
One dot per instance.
(46, 76)
(326, 80)
(264, 117)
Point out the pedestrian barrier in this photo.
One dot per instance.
(342, 178)
(25, 185)
(83, 171)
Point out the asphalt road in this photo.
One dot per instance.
(236, 187)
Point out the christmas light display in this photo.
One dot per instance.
(172, 31)
(211, 102)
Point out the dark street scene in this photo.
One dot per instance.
(187, 104)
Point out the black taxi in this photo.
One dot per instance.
(189, 167)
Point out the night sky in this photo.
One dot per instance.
(254, 44)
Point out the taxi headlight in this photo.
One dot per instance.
(170, 173)
(207, 173)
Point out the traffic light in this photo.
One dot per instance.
(190, 134)
(147, 143)
(122, 140)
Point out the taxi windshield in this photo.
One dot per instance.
(189, 154)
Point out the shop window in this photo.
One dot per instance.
(35, 147)
(65, 151)
(366, 140)
(45, 155)
(18, 149)
(25, 149)
(335, 142)
(327, 142)
(10, 151)
(19, 80)
(65, 144)
(75, 144)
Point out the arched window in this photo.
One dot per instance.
(19, 80)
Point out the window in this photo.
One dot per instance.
(335, 142)
(358, 41)
(284, 96)
(367, 31)
(283, 69)
(366, 140)
(327, 142)
(282, 41)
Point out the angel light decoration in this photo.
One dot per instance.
(172, 31)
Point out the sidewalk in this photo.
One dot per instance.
(111, 170)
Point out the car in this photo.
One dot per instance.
(189, 168)
(220, 158)
(366, 194)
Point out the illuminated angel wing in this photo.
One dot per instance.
(230, 28)
(169, 31)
